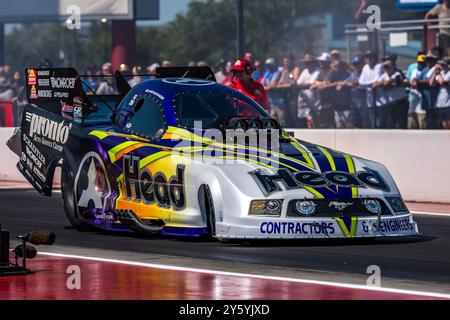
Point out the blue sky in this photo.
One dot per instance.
(169, 8)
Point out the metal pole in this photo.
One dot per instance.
(375, 43)
(2, 43)
(349, 44)
(239, 28)
(425, 37)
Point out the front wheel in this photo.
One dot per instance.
(207, 207)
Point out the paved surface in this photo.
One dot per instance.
(113, 281)
(419, 263)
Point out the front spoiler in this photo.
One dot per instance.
(318, 228)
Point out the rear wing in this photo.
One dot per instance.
(59, 91)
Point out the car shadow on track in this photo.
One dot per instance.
(271, 242)
(336, 242)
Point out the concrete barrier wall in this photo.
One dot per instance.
(8, 159)
(418, 160)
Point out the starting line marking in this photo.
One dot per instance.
(255, 276)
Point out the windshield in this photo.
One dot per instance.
(213, 108)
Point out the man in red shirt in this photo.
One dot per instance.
(242, 81)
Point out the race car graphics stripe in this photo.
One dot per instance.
(99, 134)
(305, 153)
(177, 133)
(340, 164)
(348, 226)
(114, 151)
(329, 157)
(145, 161)
(123, 146)
(351, 169)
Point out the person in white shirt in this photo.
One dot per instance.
(442, 78)
(307, 98)
(394, 110)
(370, 73)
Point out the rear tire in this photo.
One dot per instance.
(68, 201)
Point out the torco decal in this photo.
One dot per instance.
(46, 128)
(299, 179)
(153, 189)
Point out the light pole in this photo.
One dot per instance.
(239, 28)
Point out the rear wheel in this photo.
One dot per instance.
(68, 201)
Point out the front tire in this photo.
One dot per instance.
(207, 207)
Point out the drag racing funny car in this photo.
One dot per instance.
(182, 155)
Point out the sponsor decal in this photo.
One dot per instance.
(44, 93)
(65, 107)
(133, 100)
(39, 174)
(142, 185)
(43, 73)
(33, 152)
(59, 94)
(390, 225)
(63, 82)
(153, 92)
(31, 77)
(77, 102)
(33, 92)
(297, 228)
(78, 111)
(299, 179)
(44, 82)
(42, 129)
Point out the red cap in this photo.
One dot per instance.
(244, 65)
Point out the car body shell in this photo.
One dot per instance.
(126, 181)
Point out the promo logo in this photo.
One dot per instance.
(299, 179)
(140, 185)
(41, 126)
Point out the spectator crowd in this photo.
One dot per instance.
(325, 92)
(317, 91)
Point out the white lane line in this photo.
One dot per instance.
(255, 276)
(431, 213)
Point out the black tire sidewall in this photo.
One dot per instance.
(68, 200)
